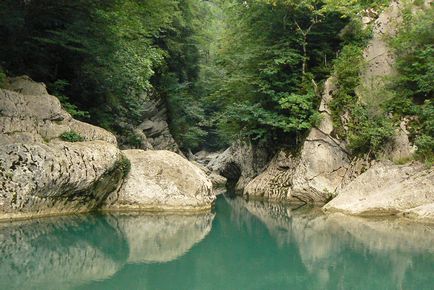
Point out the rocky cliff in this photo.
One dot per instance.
(324, 168)
(53, 164)
(153, 132)
(312, 176)
(40, 174)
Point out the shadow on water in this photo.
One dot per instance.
(244, 245)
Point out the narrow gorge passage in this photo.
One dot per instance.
(216, 144)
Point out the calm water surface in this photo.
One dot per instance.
(243, 245)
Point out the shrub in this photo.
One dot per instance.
(71, 136)
(58, 88)
(347, 69)
(367, 133)
(125, 166)
(2, 78)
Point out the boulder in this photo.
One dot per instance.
(39, 117)
(387, 189)
(162, 180)
(42, 175)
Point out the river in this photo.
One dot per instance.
(241, 245)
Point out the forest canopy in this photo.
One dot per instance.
(226, 69)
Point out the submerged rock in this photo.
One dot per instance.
(162, 181)
(39, 173)
(387, 189)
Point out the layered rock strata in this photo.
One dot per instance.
(39, 173)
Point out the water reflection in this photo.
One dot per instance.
(161, 238)
(65, 252)
(327, 243)
(247, 245)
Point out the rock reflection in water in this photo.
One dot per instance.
(337, 243)
(58, 252)
(161, 238)
(65, 252)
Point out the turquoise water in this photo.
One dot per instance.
(243, 245)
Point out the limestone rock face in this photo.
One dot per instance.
(153, 131)
(378, 55)
(30, 114)
(41, 175)
(423, 213)
(323, 164)
(276, 180)
(162, 180)
(315, 174)
(239, 164)
(218, 181)
(387, 189)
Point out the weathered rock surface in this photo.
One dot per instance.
(162, 180)
(423, 213)
(315, 174)
(378, 55)
(386, 189)
(41, 175)
(153, 131)
(30, 114)
(218, 181)
(239, 164)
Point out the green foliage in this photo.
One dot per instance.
(267, 66)
(107, 51)
(352, 8)
(125, 166)
(133, 140)
(368, 133)
(347, 68)
(58, 88)
(2, 78)
(415, 47)
(71, 136)
(413, 85)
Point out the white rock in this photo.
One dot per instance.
(386, 189)
(162, 180)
